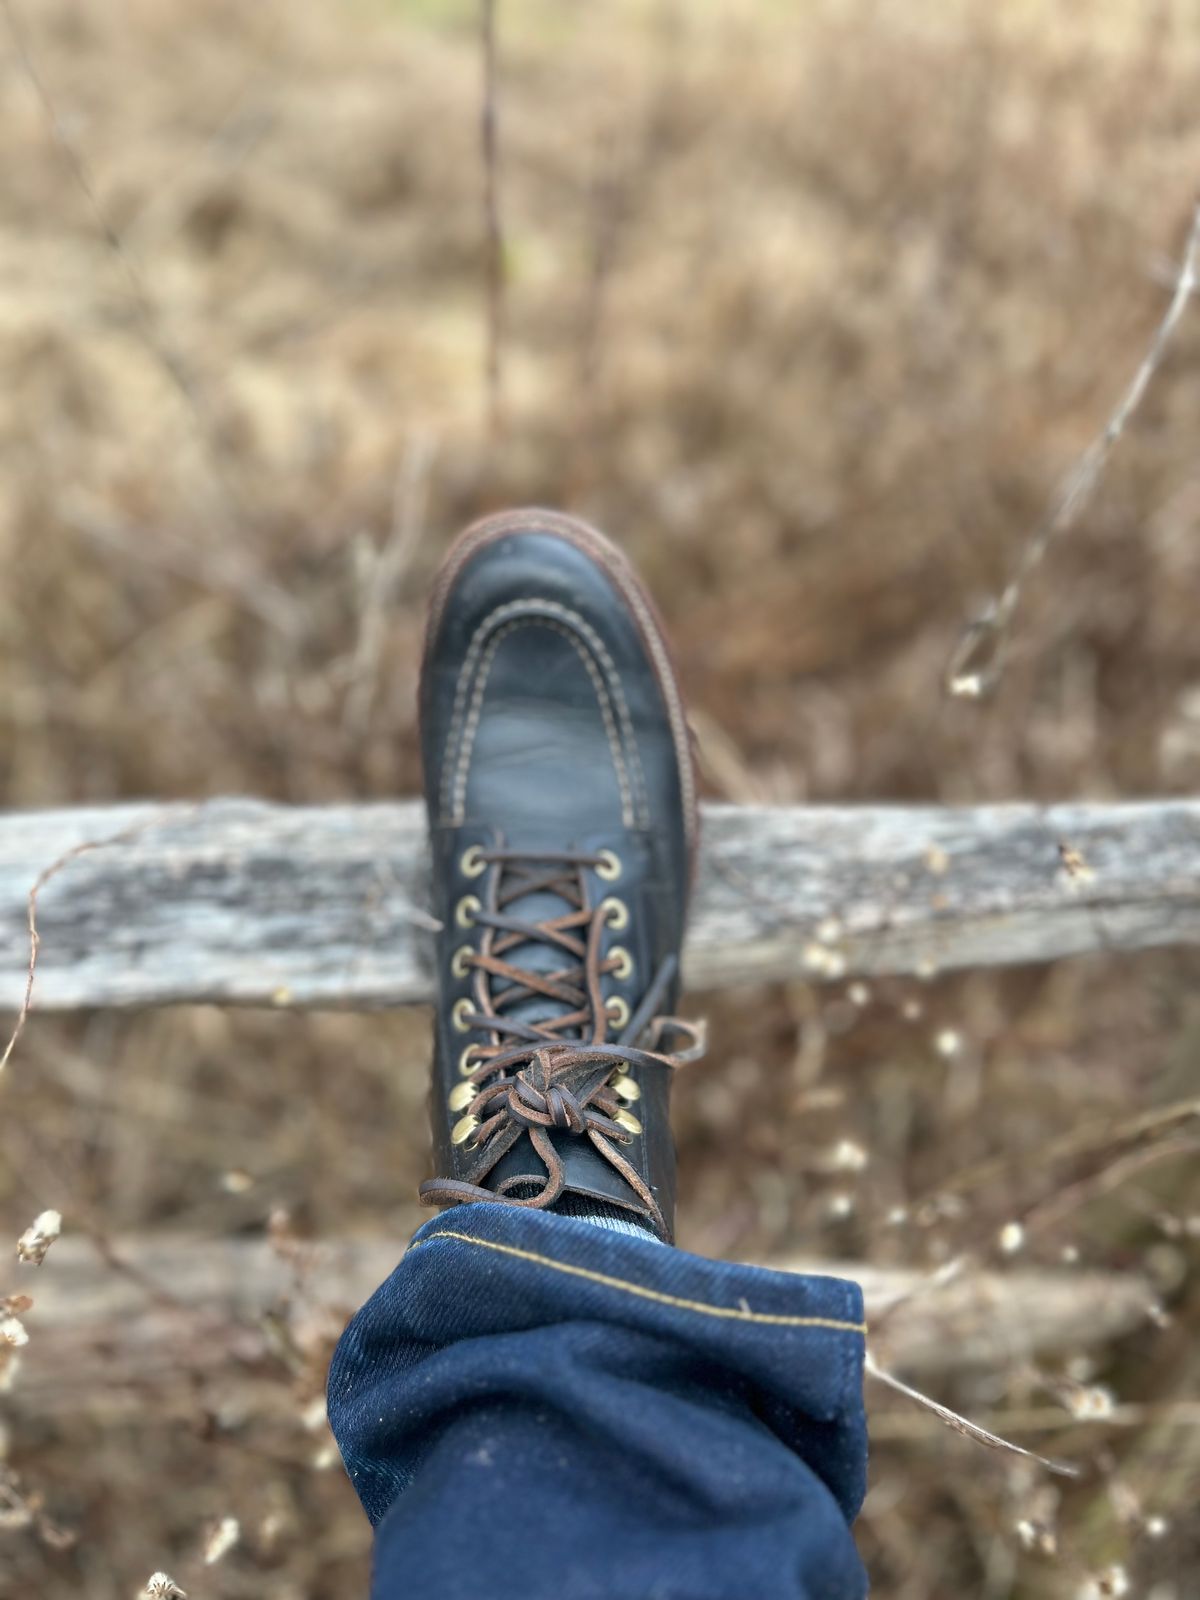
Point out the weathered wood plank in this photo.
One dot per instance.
(238, 901)
(981, 1319)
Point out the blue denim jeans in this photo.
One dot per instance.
(533, 1406)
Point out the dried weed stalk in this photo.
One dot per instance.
(978, 659)
(383, 580)
(39, 883)
(961, 1424)
(21, 1507)
(492, 221)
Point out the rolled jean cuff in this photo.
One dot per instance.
(497, 1305)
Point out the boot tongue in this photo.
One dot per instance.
(535, 955)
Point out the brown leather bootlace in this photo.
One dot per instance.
(567, 1072)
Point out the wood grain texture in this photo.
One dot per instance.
(982, 1319)
(237, 901)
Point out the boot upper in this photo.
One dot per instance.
(561, 807)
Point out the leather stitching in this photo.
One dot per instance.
(462, 766)
(460, 698)
(574, 620)
(629, 809)
(618, 689)
(611, 562)
(472, 726)
(701, 1307)
(635, 804)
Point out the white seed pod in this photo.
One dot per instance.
(1090, 1402)
(221, 1540)
(37, 1239)
(161, 1586)
(1011, 1238)
(846, 1156)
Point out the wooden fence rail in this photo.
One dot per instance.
(981, 1319)
(237, 901)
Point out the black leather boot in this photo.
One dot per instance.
(562, 819)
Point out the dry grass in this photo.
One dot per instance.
(813, 311)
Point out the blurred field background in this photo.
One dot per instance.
(812, 306)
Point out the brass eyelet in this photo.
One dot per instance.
(463, 1129)
(618, 1010)
(461, 1096)
(464, 911)
(471, 863)
(467, 1061)
(624, 966)
(460, 961)
(610, 866)
(627, 1088)
(628, 1121)
(458, 1015)
(616, 913)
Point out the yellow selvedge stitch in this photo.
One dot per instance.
(733, 1313)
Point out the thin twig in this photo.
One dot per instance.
(39, 883)
(1101, 1136)
(949, 1272)
(493, 226)
(908, 1427)
(61, 1178)
(387, 569)
(1053, 1210)
(97, 1237)
(608, 208)
(978, 658)
(970, 1430)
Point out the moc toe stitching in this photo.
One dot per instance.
(456, 771)
(579, 632)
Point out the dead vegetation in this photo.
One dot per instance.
(814, 311)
